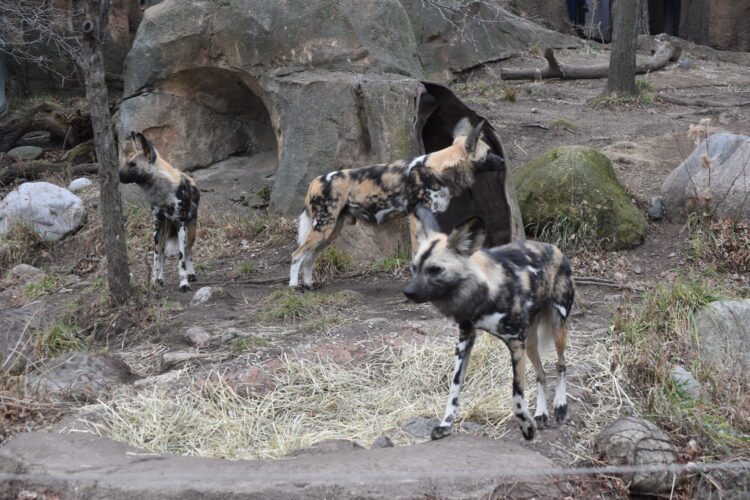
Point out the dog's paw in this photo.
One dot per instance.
(542, 420)
(184, 288)
(561, 413)
(528, 429)
(440, 431)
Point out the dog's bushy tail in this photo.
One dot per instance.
(304, 226)
(545, 331)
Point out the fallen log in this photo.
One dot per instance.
(71, 126)
(698, 102)
(32, 171)
(665, 52)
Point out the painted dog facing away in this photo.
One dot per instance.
(376, 193)
(521, 293)
(174, 199)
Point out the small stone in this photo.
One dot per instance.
(420, 427)
(25, 271)
(196, 335)
(376, 321)
(637, 270)
(672, 255)
(656, 208)
(79, 184)
(685, 63)
(534, 110)
(620, 277)
(635, 441)
(24, 153)
(381, 442)
(204, 294)
(171, 359)
(685, 381)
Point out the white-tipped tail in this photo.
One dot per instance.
(172, 247)
(304, 226)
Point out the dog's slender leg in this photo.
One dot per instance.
(191, 228)
(466, 338)
(541, 414)
(182, 239)
(560, 403)
(518, 358)
(160, 237)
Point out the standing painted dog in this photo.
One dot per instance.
(174, 199)
(521, 293)
(376, 193)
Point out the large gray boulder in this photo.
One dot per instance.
(53, 212)
(722, 332)
(715, 177)
(79, 376)
(635, 441)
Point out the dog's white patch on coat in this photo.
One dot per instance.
(439, 200)
(490, 322)
(541, 400)
(416, 161)
(533, 270)
(330, 175)
(562, 310)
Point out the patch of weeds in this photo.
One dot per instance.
(391, 264)
(264, 194)
(562, 123)
(219, 233)
(617, 100)
(139, 227)
(509, 94)
(644, 86)
(331, 263)
(657, 335)
(248, 343)
(571, 235)
(292, 306)
(20, 244)
(247, 268)
(535, 49)
(40, 285)
(60, 338)
(723, 243)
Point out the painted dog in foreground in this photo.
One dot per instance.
(521, 293)
(376, 193)
(174, 199)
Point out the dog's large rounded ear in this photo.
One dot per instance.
(145, 145)
(426, 223)
(468, 237)
(473, 138)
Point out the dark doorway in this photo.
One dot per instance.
(664, 16)
(438, 112)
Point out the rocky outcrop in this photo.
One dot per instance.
(714, 179)
(325, 84)
(61, 464)
(53, 212)
(722, 335)
(577, 186)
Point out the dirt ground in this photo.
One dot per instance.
(645, 141)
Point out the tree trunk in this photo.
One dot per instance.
(92, 63)
(644, 27)
(3, 103)
(621, 77)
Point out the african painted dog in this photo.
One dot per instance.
(521, 293)
(174, 199)
(376, 193)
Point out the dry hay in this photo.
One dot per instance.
(318, 400)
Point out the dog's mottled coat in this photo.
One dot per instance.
(376, 193)
(521, 293)
(174, 198)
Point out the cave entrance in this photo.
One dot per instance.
(438, 112)
(230, 143)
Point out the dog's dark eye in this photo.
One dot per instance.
(131, 164)
(434, 270)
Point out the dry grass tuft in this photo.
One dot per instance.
(317, 400)
(332, 262)
(723, 243)
(21, 244)
(291, 305)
